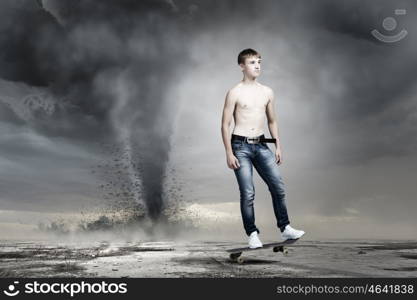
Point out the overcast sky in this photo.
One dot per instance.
(79, 80)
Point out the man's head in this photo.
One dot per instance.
(250, 62)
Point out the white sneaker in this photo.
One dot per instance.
(290, 233)
(254, 241)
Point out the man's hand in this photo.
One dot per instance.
(278, 156)
(232, 161)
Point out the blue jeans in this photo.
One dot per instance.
(263, 159)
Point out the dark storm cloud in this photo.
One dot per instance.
(8, 115)
(107, 66)
(377, 80)
(96, 40)
(22, 24)
(368, 64)
(134, 48)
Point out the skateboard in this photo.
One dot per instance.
(235, 254)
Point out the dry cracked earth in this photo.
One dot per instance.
(173, 259)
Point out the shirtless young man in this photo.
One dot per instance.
(248, 102)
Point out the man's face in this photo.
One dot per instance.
(252, 66)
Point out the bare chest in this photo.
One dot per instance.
(257, 102)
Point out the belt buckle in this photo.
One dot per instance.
(253, 140)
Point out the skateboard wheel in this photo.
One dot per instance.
(278, 249)
(234, 256)
(285, 252)
(240, 260)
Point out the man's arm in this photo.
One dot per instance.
(272, 119)
(228, 109)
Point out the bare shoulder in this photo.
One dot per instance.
(234, 91)
(268, 91)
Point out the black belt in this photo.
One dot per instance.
(253, 140)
